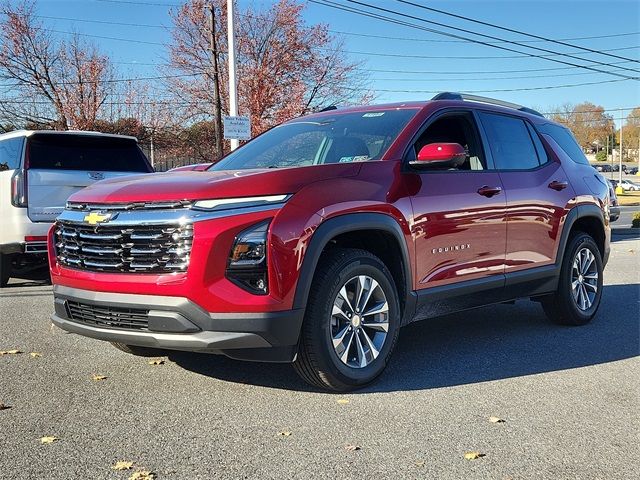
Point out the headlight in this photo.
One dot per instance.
(247, 263)
(240, 202)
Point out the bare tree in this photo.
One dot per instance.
(285, 68)
(61, 84)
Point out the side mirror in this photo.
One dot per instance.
(440, 155)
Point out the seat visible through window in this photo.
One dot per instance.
(347, 149)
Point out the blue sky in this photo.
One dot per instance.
(554, 19)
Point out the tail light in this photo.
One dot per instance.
(19, 188)
(247, 264)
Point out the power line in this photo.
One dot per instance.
(498, 38)
(476, 79)
(341, 32)
(354, 52)
(361, 12)
(116, 80)
(477, 57)
(146, 4)
(435, 40)
(507, 29)
(102, 22)
(417, 72)
(105, 37)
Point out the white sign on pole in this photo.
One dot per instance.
(237, 128)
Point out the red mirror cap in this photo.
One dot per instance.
(437, 152)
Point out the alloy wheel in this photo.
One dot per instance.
(584, 279)
(359, 321)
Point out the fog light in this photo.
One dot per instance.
(247, 263)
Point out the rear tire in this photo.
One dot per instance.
(577, 298)
(345, 343)
(5, 269)
(139, 351)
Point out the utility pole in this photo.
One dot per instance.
(621, 155)
(233, 89)
(217, 104)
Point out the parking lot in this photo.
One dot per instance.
(569, 398)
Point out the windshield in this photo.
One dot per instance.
(341, 138)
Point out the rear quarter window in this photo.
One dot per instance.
(11, 153)
(84, 152)
(565, 139)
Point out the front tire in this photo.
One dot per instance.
(577, 298)
(351, 322)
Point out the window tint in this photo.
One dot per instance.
(340, 138)
(10, 153)
(510, 142)
(567, 142)
(83, 152)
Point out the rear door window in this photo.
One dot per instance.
(510, 142)
(84, 152)
(11, 153)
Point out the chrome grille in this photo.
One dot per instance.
(124, 248)
(111, 317)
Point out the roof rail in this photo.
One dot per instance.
(491, 101)
(329, 108)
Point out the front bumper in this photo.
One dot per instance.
(177, 323)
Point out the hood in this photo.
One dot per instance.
(190, 185)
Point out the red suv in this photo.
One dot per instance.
(316, 241)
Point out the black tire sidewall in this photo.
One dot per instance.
(326, 355)
(577, 315)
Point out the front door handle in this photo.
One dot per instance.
(556, 185)
(487, 191)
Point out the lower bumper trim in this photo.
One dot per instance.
(212, 342)
(177, 323)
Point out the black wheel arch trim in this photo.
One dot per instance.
(347, 223)
(576, 213)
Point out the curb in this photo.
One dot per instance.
(627, 232)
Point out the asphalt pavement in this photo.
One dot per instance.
(569, 398)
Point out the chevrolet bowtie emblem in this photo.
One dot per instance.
(95, 217)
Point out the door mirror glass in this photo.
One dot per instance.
(440, 155)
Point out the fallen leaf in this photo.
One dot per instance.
(285, 433)
(473, 455)
(496, 420)
(97, 378)
(120, 465)
(632, 251)
(352, 448)
(142, 475)
(35, 354)
(10, 352)
(156, 362)
(48, 439)
(343, 401)
(420, 463)
(4, 406)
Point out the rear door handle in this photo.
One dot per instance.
(556, 185)
(487, 191)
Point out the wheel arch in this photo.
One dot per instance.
(377, 233)
(588, 219)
